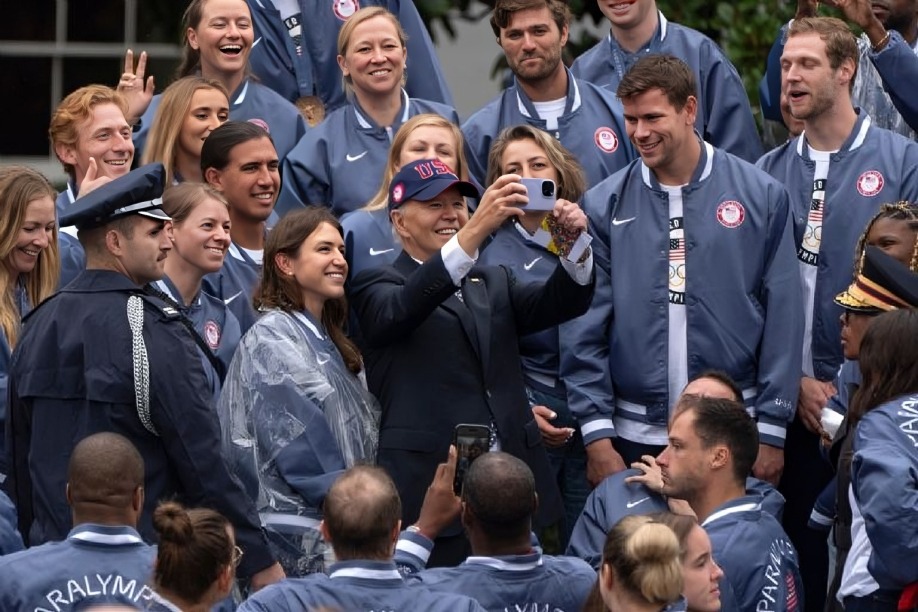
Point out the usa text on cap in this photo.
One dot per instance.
(424, 180)
(139, 192)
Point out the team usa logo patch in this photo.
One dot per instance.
(345, 8)
(261, 123)
(212, 334)
(870, 183)
(398, 192)
(731, 214)
(606, 140)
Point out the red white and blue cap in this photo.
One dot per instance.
(139, 192)
(424, 180)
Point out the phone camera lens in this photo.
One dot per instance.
(548, 189)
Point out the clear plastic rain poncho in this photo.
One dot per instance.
(293, 418)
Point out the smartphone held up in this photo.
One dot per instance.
(471, 442)
(541, 193)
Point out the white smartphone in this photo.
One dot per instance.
(541, 193)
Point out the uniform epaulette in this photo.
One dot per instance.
(168, 311)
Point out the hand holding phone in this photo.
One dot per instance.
(471, 441)
(541, 194)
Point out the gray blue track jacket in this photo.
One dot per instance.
(724, 115)
(742, 298)
(592, 128)
(873, 166)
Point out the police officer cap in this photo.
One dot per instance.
(139, 192)
(884, 283)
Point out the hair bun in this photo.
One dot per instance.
(172, 523)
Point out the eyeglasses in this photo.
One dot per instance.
(237, 556)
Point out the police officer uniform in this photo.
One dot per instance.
(101, 355)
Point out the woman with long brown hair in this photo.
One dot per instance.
(884, 468)
(294, 409)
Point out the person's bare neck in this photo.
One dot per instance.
(97, 514)
(483, 547)
(185, 277)
(717, 492)
(830, 130)
(682, 170)
(531, 222)
(247, 233)
(230, 81)
(632, 39)
(553, 87)
(910, 32)
(382, 109)
(188, 167)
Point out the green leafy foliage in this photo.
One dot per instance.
(745, 29)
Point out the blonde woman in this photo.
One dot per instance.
(218, 38)
(191, 108)
(339, 162)
(640, 570)
(31, 262)
(368, 234)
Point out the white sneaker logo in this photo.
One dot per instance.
(528, 266)
(633, 504)
(374, 252)
(622, 221)
(353, 158)
(231, 298)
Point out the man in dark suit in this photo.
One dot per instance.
(440, 334)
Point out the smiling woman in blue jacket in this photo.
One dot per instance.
(31, 262)
(525, 246)
(218, 40)
(340, 162)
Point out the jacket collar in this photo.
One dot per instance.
(366, 122)
(509, 563)
(166, 285)
(702, 170)
(853, 142)
(105, 535)
(101, 281)
(655, 41)
(528, 109)
(371, 570)
(746, 503)
(239, 95)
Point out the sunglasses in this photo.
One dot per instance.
(847, 314)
